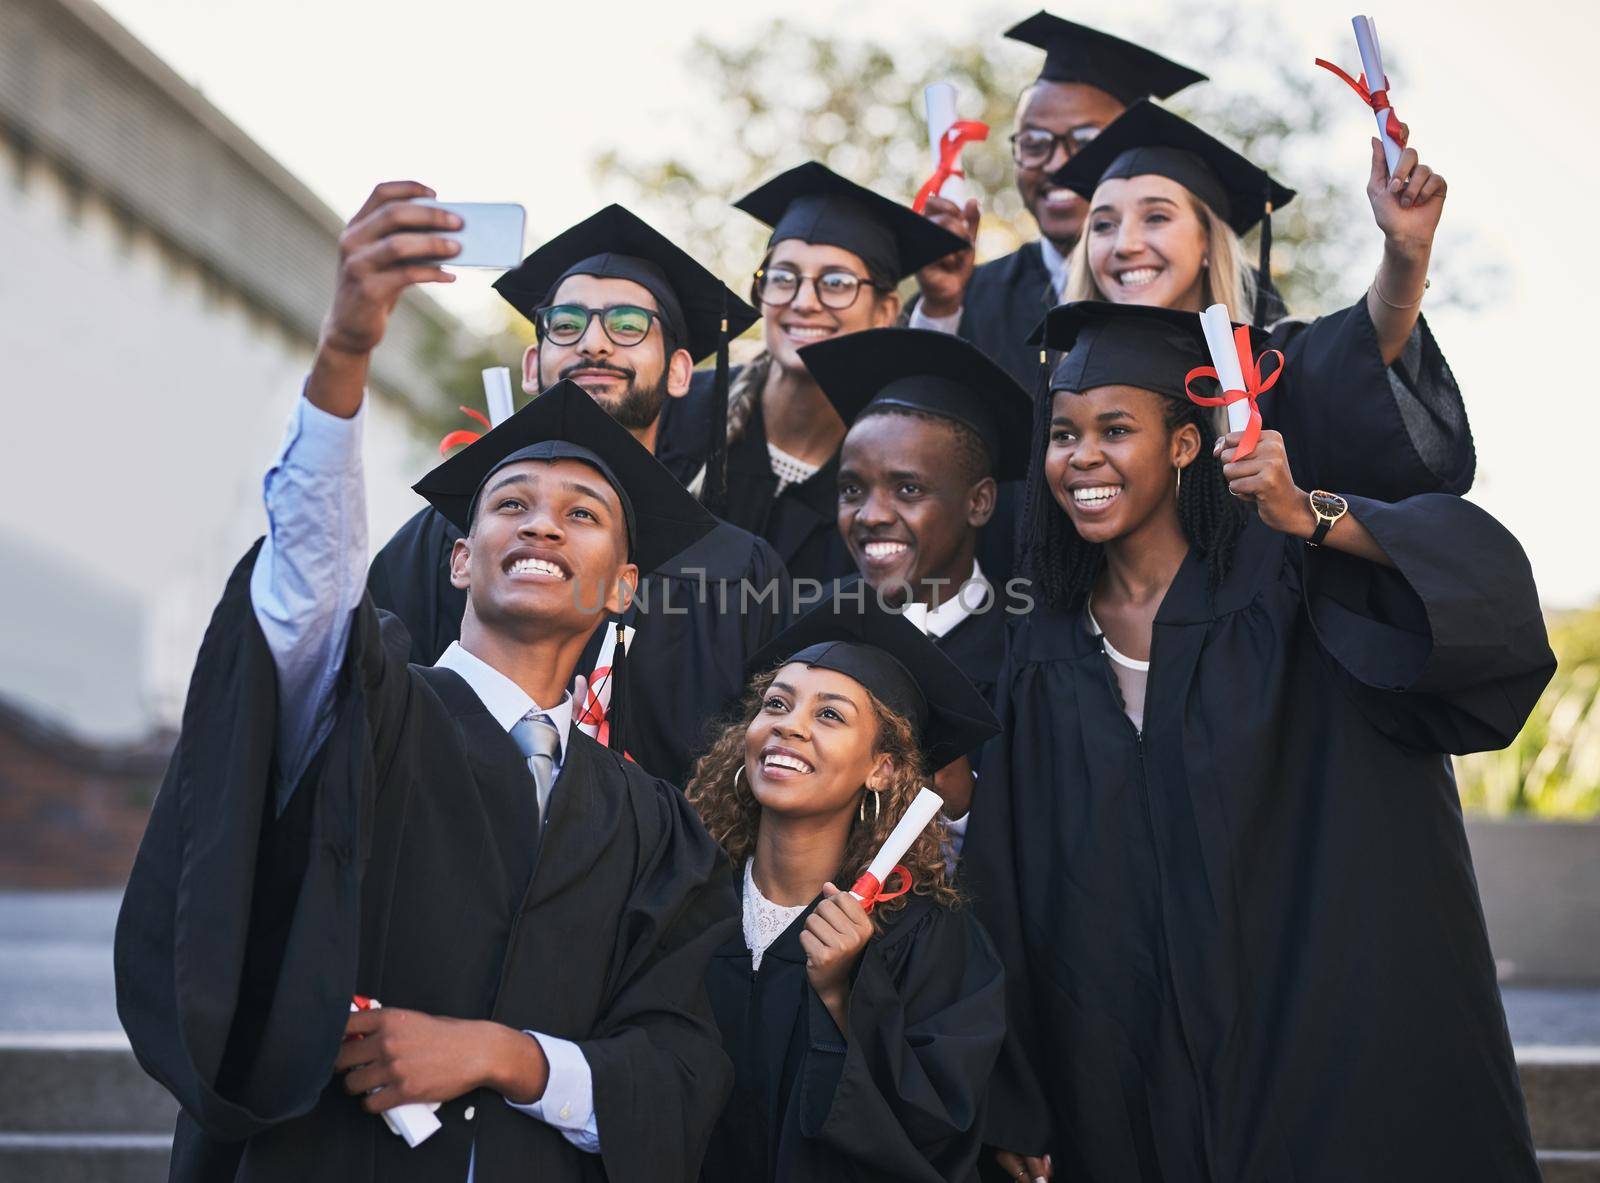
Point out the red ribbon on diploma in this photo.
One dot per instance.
(1254, 387)
(1378, 100)
(956, 137)
(456, 438)
(871, 891)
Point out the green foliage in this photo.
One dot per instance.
(1552, 769)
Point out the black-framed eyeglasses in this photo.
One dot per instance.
(1033, 147)
(836, 288)
(565, 324)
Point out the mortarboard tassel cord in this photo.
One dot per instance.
(1254, 387)
(1378, 100)
(457, 438)
(1264, 265)
(714, 492)
(956, 137)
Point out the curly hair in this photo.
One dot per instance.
(732, 814)
(1063, 567)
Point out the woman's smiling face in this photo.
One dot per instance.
(788, 328)
(1147, 243)
(811, 746)
(1111, 459)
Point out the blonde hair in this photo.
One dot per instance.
(1227, 279)
(732, 815)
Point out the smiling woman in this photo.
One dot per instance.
(768, 461)
(861, 1044)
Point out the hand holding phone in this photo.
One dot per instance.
(490, 234)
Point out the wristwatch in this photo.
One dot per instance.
(1329, 508)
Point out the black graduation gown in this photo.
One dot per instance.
(409, 867)
(686, 665)
(1247, 945)
(901, 1098)
(802, 523)
(977, 645)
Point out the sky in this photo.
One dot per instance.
(490, 101)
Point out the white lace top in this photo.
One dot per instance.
(790, 470)
(764, 921)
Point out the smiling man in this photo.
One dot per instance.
(624, 313)
(535, 912)
(934, 423)
(1088, 79)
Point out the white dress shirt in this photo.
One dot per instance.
(308, 580)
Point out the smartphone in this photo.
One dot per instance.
(490, 234)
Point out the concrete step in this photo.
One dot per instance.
(1562, 1086)
(1570, 1166)
(61, 1082)
(84, 1158)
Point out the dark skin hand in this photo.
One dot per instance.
(944, 281)
(833, 939)
(411, 1057)
(1023, 1168)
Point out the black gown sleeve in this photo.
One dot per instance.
(660, 1074)
(903, 1094)
(237, 942)
(1017, 1117)
(1447, 651)
(1354, 425)
(410, 577)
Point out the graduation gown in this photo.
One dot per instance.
(801, 524)
(686, 664)
(409, 866)
(901, 1098)
(977, 645)
(1247, 945)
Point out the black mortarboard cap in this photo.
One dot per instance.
(565, 423)
(813, 203)
(852, 634)
(616, 244)
(1149, 140)
(1077, 53)
(1125, 345)
(937, 373)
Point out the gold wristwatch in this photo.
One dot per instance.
(1329, 508)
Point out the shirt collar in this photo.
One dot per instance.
(954, 610)
(506, 701)
(1055, 263)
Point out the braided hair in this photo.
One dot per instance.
(1062, 567)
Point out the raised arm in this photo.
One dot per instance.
(1407, 207)
(310, 572)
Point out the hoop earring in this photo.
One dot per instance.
(737, 773)
(877, 806)
(1179, 493)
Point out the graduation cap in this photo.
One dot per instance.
(1077, 53)
(1125, 345)
(1148, 140)
(813, 203)
(617, 244)
(936, 373)
(565, 423)
(854, 635)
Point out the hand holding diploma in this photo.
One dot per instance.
(943, 199)
(1238, 371)
(413, 1121)
(869, 888)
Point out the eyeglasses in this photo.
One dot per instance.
(838, 289)
(565, 324)
(1033, 147)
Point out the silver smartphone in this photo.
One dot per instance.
(490, 234)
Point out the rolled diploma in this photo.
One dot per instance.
(497, 393)
(414, 1122)
(940, 98)
(1372, 66)
(1225, 360)
(916, 819)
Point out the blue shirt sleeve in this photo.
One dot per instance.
(568, 1101)
(310, 574)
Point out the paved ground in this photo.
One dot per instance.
(55, 974)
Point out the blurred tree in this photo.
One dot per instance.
(1552, 769)
(795, 95)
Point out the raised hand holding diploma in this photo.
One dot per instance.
(1375, 93)
(1239, 373)
(943, 200)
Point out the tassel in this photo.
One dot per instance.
(714, 495)
(616, 710)
(1034, 495)
(1264, 269)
